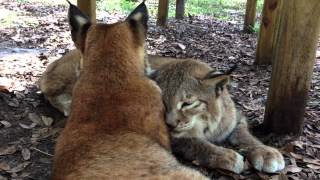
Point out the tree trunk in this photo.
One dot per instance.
(292, 66)
(180, 5)
(250, 17)
(88, 7)
(163, 9)
(268, 31)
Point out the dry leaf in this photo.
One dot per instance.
(19, 168)
(181, 46)
(6, 124)
(297, 156)
(7, 150)
(298, 144)
(35, 118)
(293, 169)
(312, 166)
(47, 120)
(25, 154)
(311, 161)
(32, 125)
(4, 166)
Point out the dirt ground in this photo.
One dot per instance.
(29, 126)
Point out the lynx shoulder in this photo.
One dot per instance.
(116, 129)
(201, 115)
(58, 80)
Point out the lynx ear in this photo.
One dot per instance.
(216, 81)
(79, 25)
(139, 15)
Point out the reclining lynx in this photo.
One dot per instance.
(59, 78)
(202, 114)
(116, 129)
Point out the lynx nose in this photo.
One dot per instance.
(171, 120)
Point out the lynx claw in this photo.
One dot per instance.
(266, 159)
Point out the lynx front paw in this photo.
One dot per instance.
(266, 159)
(230, 160)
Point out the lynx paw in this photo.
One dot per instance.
(231, 161)
(266, 159)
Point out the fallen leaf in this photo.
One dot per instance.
(7, 150)
(4, 166)
(297, 156)
(13, 102)
(6, 124)
(298, 144)
(294, 177)
(311, 161)
(19, 168)
(293, 169)
(25, 154)
(24, 126)
(181, 46)
(35, 118)
(47, 120)
(312, 166)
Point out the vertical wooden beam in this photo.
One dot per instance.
(88, 7)
(163, 9)
(180, 6)
(250, 16)
(269, 28)
(292, 66)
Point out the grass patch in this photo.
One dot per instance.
(222, 9)
(9, 19)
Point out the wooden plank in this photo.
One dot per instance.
(268, 31)
(163, 9)
(250, 17)
(180, 6)
(292, 66)
(88, 7)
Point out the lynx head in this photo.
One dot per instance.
(193, 94)
(122, 40)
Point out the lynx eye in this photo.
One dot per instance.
(185, 104)
(189, 105)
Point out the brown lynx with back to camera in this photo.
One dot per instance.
(116, 128)
(202, 115)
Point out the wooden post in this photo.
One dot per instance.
(268, 31)
(88, 7)
(250, 17)
(163, 9)
(180, 5)
(292, 66)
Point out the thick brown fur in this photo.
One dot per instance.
(202, 115)
(116, 129)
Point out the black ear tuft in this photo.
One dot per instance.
(79, 24)
(139, 14)
(233, 68)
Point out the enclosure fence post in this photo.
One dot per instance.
(292, 66)
(269, 28)
(88, 7)
(163, 9)
(250, 16)
(180, 6)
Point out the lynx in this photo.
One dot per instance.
(202, 115)
(116, 129)
(59, 78)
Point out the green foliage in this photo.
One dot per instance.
(222, 9)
